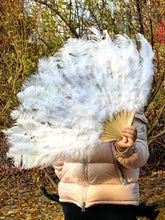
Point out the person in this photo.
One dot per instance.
(104, 186)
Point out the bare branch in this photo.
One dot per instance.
(59, 14)
(140, 16)
(158, 85)
(150, 140)
(157, 120)
(51, 180)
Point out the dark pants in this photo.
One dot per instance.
(99, 212)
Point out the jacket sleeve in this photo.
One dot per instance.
(137, 155)
(58, 168)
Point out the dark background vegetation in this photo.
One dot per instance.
(30, 30)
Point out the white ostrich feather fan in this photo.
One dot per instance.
(80, 97)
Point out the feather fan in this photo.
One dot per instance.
(80, 97)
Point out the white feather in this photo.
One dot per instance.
(64, 106)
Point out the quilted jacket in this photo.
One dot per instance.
(106, 177)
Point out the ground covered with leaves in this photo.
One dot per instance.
(21, 197)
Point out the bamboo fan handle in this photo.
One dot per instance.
(129, 123)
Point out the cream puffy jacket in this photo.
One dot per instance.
(106, 177)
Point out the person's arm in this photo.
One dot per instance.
(134, 153)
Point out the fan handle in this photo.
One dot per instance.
(129, 123)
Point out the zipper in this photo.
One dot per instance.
(122, 174)
(85, 185)
(118, 167)
(83, 207)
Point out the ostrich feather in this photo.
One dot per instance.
(79, 98)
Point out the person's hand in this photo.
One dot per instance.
(131, 133)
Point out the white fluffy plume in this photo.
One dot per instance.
(64, 106)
